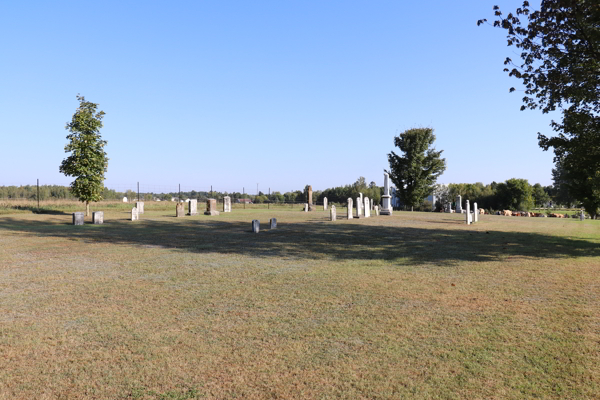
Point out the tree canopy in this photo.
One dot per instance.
(415, 171)
(560, 70)
(88, 161)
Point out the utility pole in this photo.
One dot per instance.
(139, 192)
(179, 199)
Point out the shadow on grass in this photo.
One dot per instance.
(319, 240)
(36, 210)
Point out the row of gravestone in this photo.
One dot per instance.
(361, 211)
(256, 224)
(386, 198)
(97, 218)
(211, 209)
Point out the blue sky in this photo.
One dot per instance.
(282, 94)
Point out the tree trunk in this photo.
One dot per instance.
(87, 208)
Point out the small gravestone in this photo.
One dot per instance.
(179, 210)
(140, 206)
(332, 213)
(324, 203)
(449, 207)
(134, 214)
(350, 207)
(273, 223)
(359, 204)
(226, 204)
(367, 208)
(305, 207)
(458, 204)
(255, 225)
(98, 217)
(78, 218)
(310, 199)
(211, 207)
(124, 199)
(581, 216)
(193, 207)
(475, 212)
(377, 210)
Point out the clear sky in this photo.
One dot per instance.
(279, 93)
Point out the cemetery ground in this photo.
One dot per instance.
(416, 305)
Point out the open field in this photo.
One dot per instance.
(417, 305)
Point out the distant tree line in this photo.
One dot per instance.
(338, 194)
(48, 192)
(513, 194)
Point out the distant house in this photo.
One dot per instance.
(247, 201)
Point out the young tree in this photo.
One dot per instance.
(416, 171)
(88, 161)
(560, 53)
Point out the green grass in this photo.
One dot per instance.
(417, 305)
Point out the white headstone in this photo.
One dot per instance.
(226, 204)
(475, 212)
(458, 204)
(78, 218)
(332, 213)
(386, 199)
(377, 210)
(193, 207)
(367, 208)
(124, 199)
(581, 216)
(361, 198)
(140, 206)
(305, 207)
(468, 213)
(255, 225)
(350, 207)
(359, 208)
(134, 214)
(324, 203)
(273, 223)
(98, 217)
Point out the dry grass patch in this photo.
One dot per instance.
(417, 305)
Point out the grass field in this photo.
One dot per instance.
(417, 305)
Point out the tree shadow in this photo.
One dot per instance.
(317, 239)
(36, 210)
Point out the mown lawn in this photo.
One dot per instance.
(417, 305)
